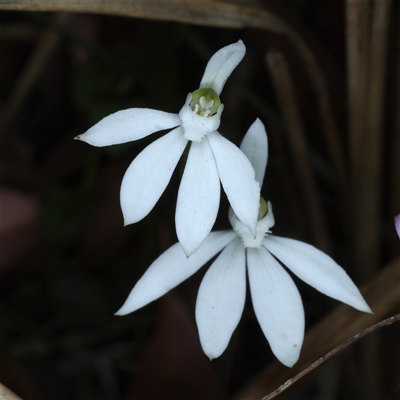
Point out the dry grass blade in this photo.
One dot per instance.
(287, 99)
(357, 62)
(366, 71)
(367, 164)
(213, 12)
(366, 135)
(340, 324)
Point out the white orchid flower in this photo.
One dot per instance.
(221, 298)
(211, 157)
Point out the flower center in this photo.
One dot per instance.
(201, 114)
(205, 102)
(265, 222)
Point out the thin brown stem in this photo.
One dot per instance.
(330, 354)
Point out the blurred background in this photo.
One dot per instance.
(324, 79)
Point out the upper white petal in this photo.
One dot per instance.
(221, 299)
(221, 65)
(255, 147)
(237, 178)
(317, 269)
(172, 268)
(128, 125)
(277, 304)
(198, 197)
(148, 175)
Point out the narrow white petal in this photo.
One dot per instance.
(277, 304)
(128, 125)
(198, 197)
(237, 178)
(255, 147)
(221, 299)
(148, 175)
(317, 269)
(172, 268)
(221, 65)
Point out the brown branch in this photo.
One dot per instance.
(327, 356)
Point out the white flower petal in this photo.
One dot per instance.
(317, 269)
(277, 304)
(221, 65)
(221, 299)
(255, 147)
(198, 197)
(128, 125)
(172, 268)
(148, 175)
(237, 178)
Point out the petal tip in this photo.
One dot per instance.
(290, 359)
(127, 308)
(120, 312)
(253, 229)
(82, 138)
(367, 309)
(211, 355)
(189, 250)
(129, 221)
(188, 253)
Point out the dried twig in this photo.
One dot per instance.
(331, 353)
